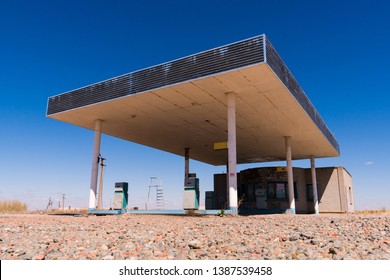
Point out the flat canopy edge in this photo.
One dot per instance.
(276, 63)
(236, 56)
(229, 57)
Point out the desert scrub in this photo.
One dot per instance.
(13, 206)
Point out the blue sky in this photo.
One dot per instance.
(337, 50)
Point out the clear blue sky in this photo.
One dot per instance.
(337, 50)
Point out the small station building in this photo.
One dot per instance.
(265, 190)
(241, 94)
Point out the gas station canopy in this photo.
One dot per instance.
(183, 104)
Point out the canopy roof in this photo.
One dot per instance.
(183, 103)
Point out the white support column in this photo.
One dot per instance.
(314, 185)
(95, 164)
(186, 162)
(290, 177)
(232, 152)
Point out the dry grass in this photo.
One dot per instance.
(74, 211)
(13, 207)
(380, 211)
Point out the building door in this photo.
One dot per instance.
(261, 197)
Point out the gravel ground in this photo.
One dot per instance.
(48, 237)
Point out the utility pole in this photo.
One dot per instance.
(49, 204)
(99, 204)
(63, 202)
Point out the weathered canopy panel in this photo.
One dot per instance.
(183, 103)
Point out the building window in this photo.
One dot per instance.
(271, 190)
(279, 190)
(250, 192)
(309, 191)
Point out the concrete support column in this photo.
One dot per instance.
(95, 164)
(186, 162)
(314, 184)
(290, 177)
(232, 152)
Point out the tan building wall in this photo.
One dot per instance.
(348, 188)
(335, 193)
(301, 202)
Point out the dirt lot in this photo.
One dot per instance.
(145, 237)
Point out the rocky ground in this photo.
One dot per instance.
(146, 237)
